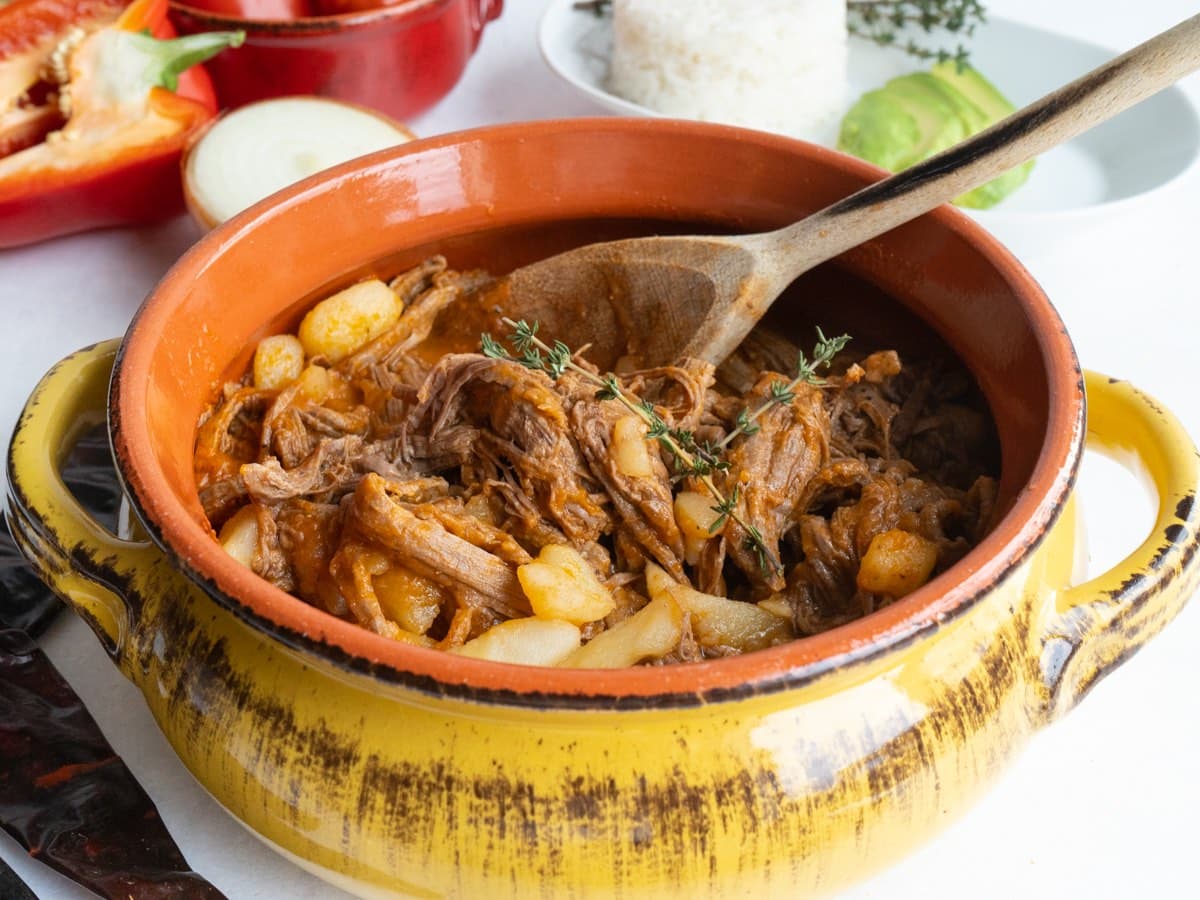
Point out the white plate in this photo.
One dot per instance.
(1140, 151)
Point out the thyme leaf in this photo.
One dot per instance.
(609, 389)
(743, 425)
(492, 348)
(725, 509)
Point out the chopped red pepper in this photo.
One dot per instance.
(130, 102)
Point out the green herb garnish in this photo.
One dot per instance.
(691, 458)
(881, 21)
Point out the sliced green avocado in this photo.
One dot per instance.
(920, 114)
(975, 88)
(901, 124)
(995, 106)
(881, 129)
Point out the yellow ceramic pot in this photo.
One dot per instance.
(397, 770)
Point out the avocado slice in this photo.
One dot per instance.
(995, 106)
(974, 87)
(902, 123)
(915, 116)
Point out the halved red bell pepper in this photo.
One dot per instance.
(130, 101)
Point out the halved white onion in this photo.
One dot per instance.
(252, 152)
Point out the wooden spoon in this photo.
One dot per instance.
(699, 296)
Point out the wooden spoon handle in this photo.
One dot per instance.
(1056, 118)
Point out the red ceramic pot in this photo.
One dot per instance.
(399, 59)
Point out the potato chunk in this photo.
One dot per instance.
(315, 383)
(694, 514)
(776, 606)
(561, 585)
(896, 563)
(631, 453)
(530, 642)
(323, 386)
(239, 535)
(719, 621)
(882, 365)
(344, 322)
(651, 632)
(409, 600)
(278, 361)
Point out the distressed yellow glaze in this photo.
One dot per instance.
(792, 790)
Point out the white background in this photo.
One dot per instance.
(1103, 804)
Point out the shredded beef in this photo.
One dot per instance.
(519, 422)
(771, 469)
(643, 503)
(407, 495)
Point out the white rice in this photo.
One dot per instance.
(776, 65)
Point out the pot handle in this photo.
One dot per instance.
(1097, 625)
(97, 573)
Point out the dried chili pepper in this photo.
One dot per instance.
(68, 798)
(127, 101)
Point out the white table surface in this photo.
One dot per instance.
(1102, 804)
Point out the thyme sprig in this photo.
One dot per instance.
(698, 459)
(690, 457)
(782, 394)
(881, 20)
